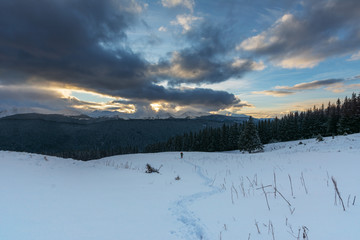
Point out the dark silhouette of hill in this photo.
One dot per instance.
(85, 138)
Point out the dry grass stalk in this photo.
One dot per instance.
(257, 227)
(291, 210)
(237, 195)
(275, 184)
(327, 181)
(292, 192)
(292, 231)
(267, 202)
(213, 181)
(337, 191)
(335, 202)
(298, 237)
(272, 230)
(150, 169)
(292, 234)
(305, 233)
(264, 186)
(251, 184)
(242, 188)
(282, 196)
(303, 182)
(232, 197)
(255, 180)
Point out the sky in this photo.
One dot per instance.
(143, 58)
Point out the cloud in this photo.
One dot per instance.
(324, 29)
(185, 21)
(83, 45)
(341, 87)
(303, 60)
(206, 60)
(188, 66)
(334, 85)
(152, 39)
(162, 29)
(355, 57)
(206, 98)
(275, 93)
(337, 88)
(80, 47)
(26, 99)
(354, 86)
(312, 85)
(234, 110)
(112, 106)
(175, 3)
(163, 106)
(252, 65)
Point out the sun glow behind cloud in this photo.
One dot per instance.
(155, 106)
(166, 107)
(91, 101)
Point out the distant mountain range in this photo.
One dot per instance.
(103, 117)
(153, 115)
(84, 137)
(110, 114)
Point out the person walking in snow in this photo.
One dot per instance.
(181, 155)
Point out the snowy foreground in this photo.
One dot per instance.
(218, 196)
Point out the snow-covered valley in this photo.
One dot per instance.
(227, 195)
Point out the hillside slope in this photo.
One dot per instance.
(218, 196)
(87, 138)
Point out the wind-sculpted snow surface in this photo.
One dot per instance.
(286, 192)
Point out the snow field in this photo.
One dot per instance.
(219, 195)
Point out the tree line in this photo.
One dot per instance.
(86, 138)
(94, 152)
(341, 117)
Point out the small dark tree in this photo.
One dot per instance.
(249, 138)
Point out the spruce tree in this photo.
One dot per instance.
(249, 138)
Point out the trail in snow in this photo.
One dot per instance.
(193, 227)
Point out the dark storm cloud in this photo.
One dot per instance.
(82, 43)
(205, 60)
(322, 29)
(198, 96)
(64, 41)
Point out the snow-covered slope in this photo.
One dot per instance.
(218, 196)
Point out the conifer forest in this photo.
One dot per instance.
(339, 118)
